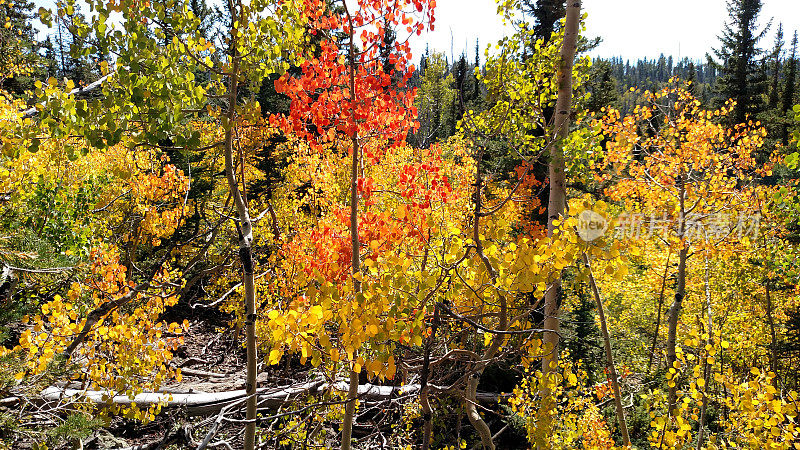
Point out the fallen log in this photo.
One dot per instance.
(201, 373)
(196, 403)
(10, 401)
(375, 393)
(204, 403)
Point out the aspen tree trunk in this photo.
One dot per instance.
(557, 172)
(706, 365)
(557, 203)
(245, 242)
(424, 400)
(680, 293)
(352, 393)
(658, 317)
(612, 370)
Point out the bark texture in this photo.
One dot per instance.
(557, 171)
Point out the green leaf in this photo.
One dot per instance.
(34, 147)
(791, 161)
(45, 16)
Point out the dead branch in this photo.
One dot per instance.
(77, 91)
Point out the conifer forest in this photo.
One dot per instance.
(278, 224)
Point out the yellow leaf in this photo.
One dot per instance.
(372, 330)
(275, 356)
(572, 379)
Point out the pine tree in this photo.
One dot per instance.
(434, 102)
(661, 69)
(775, 59)
(546, 14)
(461, 76)
(476, 94)
(387, 47)
(205, 13)
(789, 89)
(584, 343)
(73, 64)
(691, 78)
(18, 49)
(772, 117)
(670, 66)
(602, 86)
(49, 59)
(738, 60)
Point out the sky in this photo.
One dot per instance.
(631, 29)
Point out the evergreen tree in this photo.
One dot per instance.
(546, 15)
(775, 69)
(461, 76)
(19, 60)
(49, 59)
(789, 90)
(434, 102)
(602, 86)
(476, 93)
(691, 78)
(387, 46)
(661, 69)
(772, 117)
(416, 77)
(738, 60)
(584, 342)
(69, 54)
(670, 66)
(653, 74)
(205, 13)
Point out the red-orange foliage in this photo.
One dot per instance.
(323, 108)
